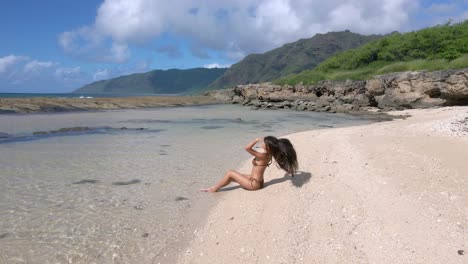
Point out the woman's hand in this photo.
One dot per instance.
(252, 144)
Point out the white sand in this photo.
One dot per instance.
(393, 192)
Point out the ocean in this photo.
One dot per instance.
(123, 186)
(75, 95)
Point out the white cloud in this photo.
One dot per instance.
(88, 44)
(277, 19)
(36, 66)
(79, 40)
(101, 75)
(8, 62)
(119, 52)
(216, 65)
(24, 74)
(370, 17)
(133, 20)
(70, 74)
(235, 28)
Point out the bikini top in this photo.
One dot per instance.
(254, 162)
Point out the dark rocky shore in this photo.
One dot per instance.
(394, 91)
(33, 105)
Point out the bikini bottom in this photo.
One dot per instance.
(260, 183)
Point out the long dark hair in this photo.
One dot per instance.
(283, 151)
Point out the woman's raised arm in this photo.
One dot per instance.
(249, 149)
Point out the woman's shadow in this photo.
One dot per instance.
(299, 179)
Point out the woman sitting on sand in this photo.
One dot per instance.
(280, 149)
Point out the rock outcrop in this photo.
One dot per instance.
(394, 91)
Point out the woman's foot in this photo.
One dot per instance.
(211, 189)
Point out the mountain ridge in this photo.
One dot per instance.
(171, 81)
(290, 58)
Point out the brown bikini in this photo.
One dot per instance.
(260, 183)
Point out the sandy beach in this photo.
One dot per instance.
(391, 192)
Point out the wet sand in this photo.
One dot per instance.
(392, 192)
(43, 104)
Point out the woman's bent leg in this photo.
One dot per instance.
(230, 176)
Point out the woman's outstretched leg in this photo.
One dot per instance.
(229, 177)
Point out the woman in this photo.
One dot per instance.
(280, 149)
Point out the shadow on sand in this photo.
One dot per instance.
(299, 179)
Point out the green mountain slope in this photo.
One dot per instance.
(290, 58)
(434, 48)
(172, 81)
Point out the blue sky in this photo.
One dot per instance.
(59, 45)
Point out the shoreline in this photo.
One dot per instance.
(64, 105)
(45, 105)
(352, 201)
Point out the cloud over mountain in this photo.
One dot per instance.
(235, 28)
(24, 74)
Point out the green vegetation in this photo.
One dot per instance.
(290, 58)
(436, 48)
(172, 81)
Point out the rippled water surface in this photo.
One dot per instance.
(122, 186)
